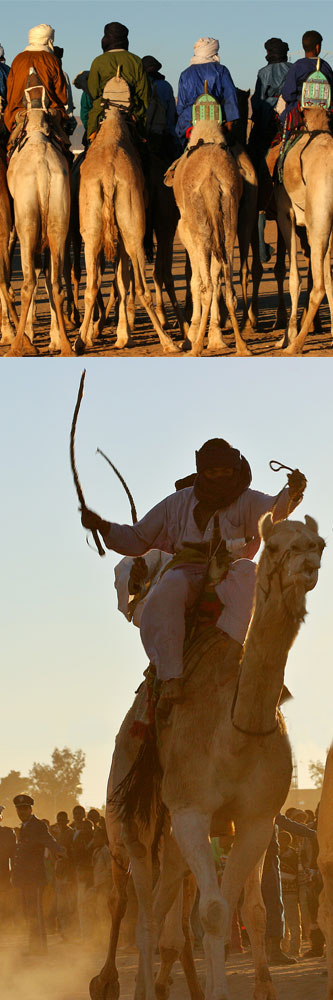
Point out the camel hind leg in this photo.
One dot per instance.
(136, 253)
(21, 343)
(56, 294)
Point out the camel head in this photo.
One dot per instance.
(290, 560)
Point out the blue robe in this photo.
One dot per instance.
(191, 85)
(298, 72)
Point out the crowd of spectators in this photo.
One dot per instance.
(76, 881)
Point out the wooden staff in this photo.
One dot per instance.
(78, 486)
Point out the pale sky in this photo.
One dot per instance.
(168, 29)
(70, 660)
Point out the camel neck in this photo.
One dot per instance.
(271, 634)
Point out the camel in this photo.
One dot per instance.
(325, 864)
(9, 318)
(306, 199)
(208, 187)
(112, 209)
(225, 756)
(39, 184)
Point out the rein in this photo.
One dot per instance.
(248, 732)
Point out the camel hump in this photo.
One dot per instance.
(117, 93)
(35, 95)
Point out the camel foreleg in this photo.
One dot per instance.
(242, 870)
(191, 831)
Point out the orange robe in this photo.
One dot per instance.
(50, 73)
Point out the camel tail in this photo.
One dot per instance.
(43, 184)
(110, 231)
(213, 200)
(140, 791)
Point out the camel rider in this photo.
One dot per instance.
(186, 518)
(115, 53)
(297, 74)
(39, 55)
(266, 122)
(205, 65)
(161, 113)
(270, 81)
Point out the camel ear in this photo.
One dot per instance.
(265, 526)
(169, 176)
(311, 524)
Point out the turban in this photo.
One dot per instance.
(115, 36)
(214, 494)
(277, 50)
(40, 37)
(151, 65)
(2, 56)
(205, 50)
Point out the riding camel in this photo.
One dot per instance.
(9, 318)
(224, 755)
(306, 199)
(38, 179)
(112, 211)
(325, 865)
(208, 187)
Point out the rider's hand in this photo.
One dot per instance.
(297, 483)
(93, 522)
(138, 575)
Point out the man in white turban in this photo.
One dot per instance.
(205, 65)
(38, 54)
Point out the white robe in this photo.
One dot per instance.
(161, 615)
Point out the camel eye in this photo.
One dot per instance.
(272, 547)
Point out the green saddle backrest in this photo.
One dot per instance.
(206, 108)
(316, 91)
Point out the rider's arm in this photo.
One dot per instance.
(142, 93)
(230, 103)
(261, 503)
(289, 89)
(59, 82)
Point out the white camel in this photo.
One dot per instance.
(208, 187)
(325, 864)
(38, 180)
(306, 199)
(112, 211)
(225, 755)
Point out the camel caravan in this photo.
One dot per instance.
(204, 748)
(143, 172)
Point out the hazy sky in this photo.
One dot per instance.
(70, 660)
(168, 29)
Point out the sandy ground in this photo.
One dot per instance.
(145, 340)
(65, 974)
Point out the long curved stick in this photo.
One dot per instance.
(78, 486)
(127, 490)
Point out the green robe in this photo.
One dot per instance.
(103, 68)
